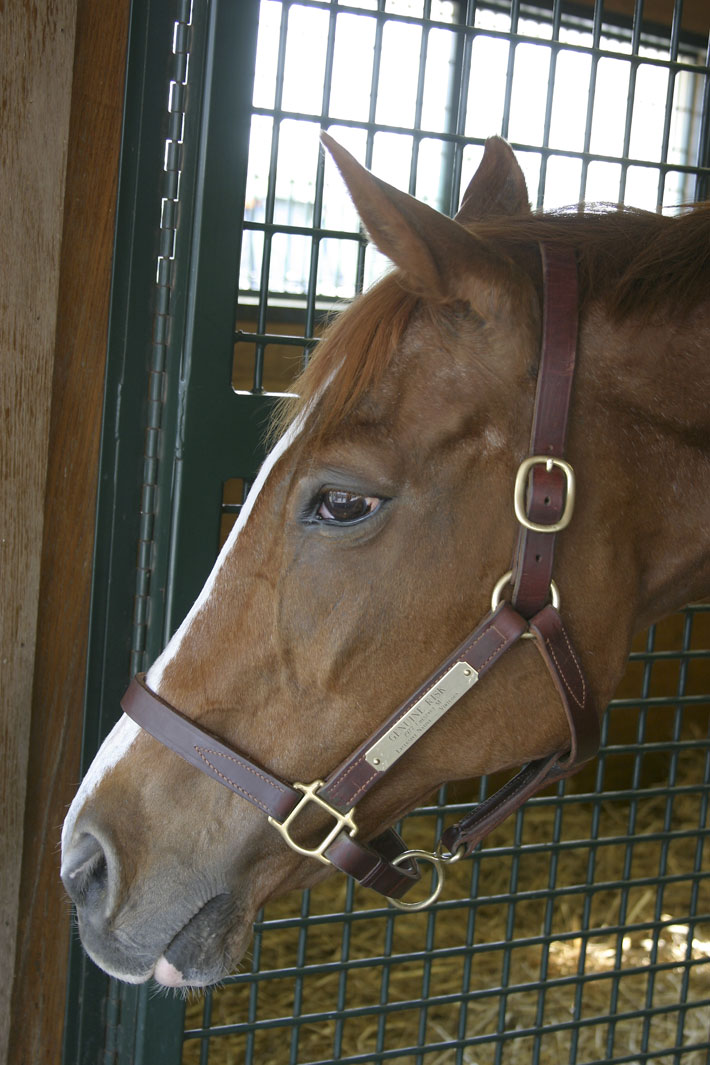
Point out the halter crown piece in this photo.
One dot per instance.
(543, 503)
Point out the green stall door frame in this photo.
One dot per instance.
(174, 289)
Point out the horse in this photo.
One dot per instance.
(384, 517)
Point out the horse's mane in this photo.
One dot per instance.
(629, 258)
(633, 260)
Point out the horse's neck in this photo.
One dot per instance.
(653, 379)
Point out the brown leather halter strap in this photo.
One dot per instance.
(544, 503)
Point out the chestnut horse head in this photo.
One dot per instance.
(373, 538)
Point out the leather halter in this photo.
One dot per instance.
(544, 500)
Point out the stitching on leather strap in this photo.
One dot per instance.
(494, 653)
(561, 673)
(202, 751)
(362, 787)
(233, 786)
(242, 765)
(347, 773)
(578, 667)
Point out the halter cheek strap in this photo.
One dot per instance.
(544, 501)
(544, 489)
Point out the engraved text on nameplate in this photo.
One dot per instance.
(421, 716)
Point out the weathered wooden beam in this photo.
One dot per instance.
(81, 284)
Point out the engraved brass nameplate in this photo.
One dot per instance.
(420, 717)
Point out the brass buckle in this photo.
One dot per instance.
(521, 485)
(342, 821)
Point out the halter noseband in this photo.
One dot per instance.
(543, 503)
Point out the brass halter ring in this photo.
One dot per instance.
(505, 579)
(438, 859)
(420, 856)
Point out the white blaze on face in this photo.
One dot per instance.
(155, 673)
(120, 739)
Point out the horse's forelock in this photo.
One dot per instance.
(356, 350)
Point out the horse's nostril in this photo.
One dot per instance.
(85, 872)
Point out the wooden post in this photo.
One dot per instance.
(36, 58)
(56, 252)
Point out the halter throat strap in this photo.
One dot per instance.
(544, 500)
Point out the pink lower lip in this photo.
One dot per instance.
(166, 974)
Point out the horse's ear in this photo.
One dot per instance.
(497, 188)
(431, 249)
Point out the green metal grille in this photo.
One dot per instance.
(580, 932)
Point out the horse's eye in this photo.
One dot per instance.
(337, 505)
